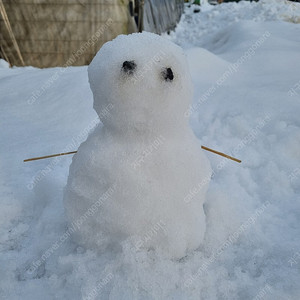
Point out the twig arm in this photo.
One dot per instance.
(48, 156)
(222, 154)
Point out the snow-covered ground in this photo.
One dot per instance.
(246, 104)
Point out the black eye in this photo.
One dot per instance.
(168, 74)
(129, 66)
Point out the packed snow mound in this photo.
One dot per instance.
(195, 29)
(202, 59)
(134, 175)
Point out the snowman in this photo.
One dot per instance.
(130, 178)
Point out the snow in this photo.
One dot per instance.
(246, 104)
(4, 64)
(133, 174)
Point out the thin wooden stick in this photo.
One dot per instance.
(48, 156)
(222, 154)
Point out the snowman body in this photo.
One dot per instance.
(142, 175)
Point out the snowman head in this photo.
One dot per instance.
(143, 83)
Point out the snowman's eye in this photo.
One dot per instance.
(129, 66)
(167, 74)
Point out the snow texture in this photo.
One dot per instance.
(135, 172)
(246, 103)
(4, 64)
